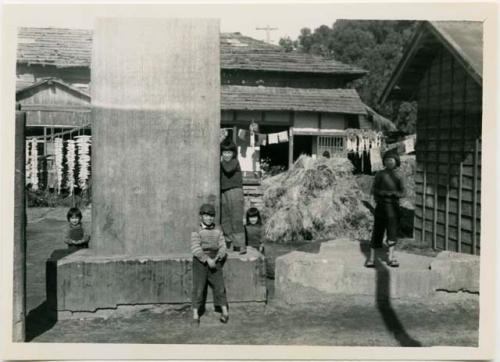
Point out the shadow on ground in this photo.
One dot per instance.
(44, 316)
(383, 298)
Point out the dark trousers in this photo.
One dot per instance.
(232, 205)
(386, 219)
(78, 246)
(202, 276)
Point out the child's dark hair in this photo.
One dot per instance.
(252, 212)
(74, 211)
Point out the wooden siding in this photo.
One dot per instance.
(55, 94)
(448, 178)
(283, 79)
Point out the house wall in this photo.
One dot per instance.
(333, 121)
(80, 77)
(282, 79)
(448, 179)
(54, 105)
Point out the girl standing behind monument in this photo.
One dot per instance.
(232, 201)
(253, 230)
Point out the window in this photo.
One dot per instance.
(335, 145)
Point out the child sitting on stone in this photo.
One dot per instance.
(253, 230)
(208, 246)
(76, 238)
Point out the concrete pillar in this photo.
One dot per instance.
(155, 160)
(156, 120)
(19, 303)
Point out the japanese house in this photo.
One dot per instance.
(304, 95)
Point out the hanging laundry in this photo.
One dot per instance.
(376, 160)
(262, 139)
(409, 144)
(283, 137)
(242, 134)
(273, 138)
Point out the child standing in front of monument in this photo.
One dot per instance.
(232, 200)
(388, 187)
(253, 230)
(208, 246)
(76, 238)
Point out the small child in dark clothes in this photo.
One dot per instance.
(76, 238)
(208, 246)
(388, 187)
(253, 230)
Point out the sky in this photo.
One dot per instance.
(243, 18)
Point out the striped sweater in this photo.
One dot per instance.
(207, 242)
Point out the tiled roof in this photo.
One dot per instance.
(261, 98)
(235, 97)
(72, 48)
(242, 52)
(51, 46)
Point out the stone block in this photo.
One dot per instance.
(85, 282)
(338, 270)
(456, 272)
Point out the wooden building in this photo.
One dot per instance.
(442, 70)
(301, 94)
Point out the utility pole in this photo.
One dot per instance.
(268, 30)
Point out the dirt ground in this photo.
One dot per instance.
(450, 319)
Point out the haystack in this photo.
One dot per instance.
(315, 199)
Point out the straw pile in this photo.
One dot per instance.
(315, 199)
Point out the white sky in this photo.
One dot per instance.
(243, 18)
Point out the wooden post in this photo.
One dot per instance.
(438, 133)
(156, 127)
(424, 188)
(460, 182)
(449, 151)
(19, 302)
(474, 196)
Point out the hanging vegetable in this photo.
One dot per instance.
(83, 144)
(70, 163)
(58, 151)
(34, 164)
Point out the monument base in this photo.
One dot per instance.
(83, 284)
(338, 271)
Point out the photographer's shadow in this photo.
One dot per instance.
(383, 297)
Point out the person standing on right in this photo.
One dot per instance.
(388, 187)
(232, 201)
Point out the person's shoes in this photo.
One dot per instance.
(224, 318)
(393, 263)
(369, 264)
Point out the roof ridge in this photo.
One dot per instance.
(74, 48)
